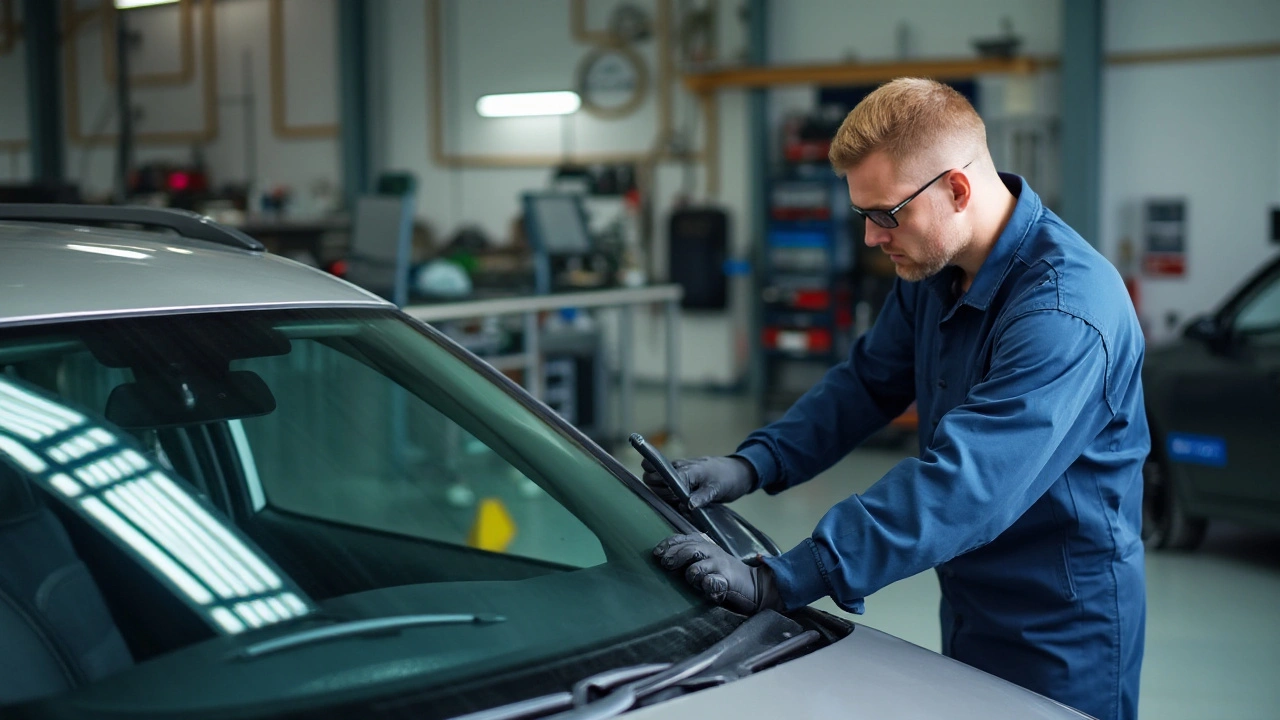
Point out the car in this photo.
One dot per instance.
(225, 493)
(1213, 404)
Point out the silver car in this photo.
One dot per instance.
(235, 486)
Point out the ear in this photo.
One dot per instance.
(961, 189)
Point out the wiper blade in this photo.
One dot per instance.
(584, 690)
(360, 628)
(544, 705)
(764, 640)
(537, 707)
(625, 697)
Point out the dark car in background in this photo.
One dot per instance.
(1213, 403)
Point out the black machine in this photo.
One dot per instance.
(699, 247)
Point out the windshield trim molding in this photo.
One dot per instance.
(25, 320)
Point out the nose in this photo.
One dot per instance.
(874, 235)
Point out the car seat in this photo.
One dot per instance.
(55, 629)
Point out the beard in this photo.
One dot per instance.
(937, 248)
(930, 261)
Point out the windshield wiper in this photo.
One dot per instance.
(360, 628)
(625, 697)
(762, 641)
(583, 692)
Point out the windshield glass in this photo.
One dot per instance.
(385, 474)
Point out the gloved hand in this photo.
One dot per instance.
(709, 479)
(720, 576)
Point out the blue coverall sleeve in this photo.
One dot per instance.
(1042, 401)
(853, 400)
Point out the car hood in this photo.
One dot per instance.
(868, 674)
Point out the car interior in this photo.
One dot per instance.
(58, 632)
(80, 609)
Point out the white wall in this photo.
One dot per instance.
(512, 45)
(241, 49)
(515, 45)
(1207, 131)
(824, 31)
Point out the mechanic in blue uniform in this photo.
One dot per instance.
(1022, 350)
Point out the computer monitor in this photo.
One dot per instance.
(378, 258)
(556, 224)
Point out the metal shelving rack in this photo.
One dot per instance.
(806, 282)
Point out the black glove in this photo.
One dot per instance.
(720, 576)
(709, 479)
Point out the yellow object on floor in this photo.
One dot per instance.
(493, 529)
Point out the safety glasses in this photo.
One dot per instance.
(885, 218)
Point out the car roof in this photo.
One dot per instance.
(54, 271)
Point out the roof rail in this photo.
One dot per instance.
(184, 222)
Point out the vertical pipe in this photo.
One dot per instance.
(353, 60)
(249, 98)
(1082, 62)
(758, 132)
(44, 77)
(673, 367)
(626, 397)
(124, 109)
(532, 376)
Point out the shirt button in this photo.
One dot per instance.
(942, 383)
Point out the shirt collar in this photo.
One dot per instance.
(994, 268)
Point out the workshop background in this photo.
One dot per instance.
(689, 149)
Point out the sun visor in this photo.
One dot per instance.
(213, 342)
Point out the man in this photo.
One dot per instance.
(1021, 348)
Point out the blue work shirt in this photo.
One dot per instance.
(1026, 495)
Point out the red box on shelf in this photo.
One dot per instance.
(813, 340)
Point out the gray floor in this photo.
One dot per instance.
(1213, 624)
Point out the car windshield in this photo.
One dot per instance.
(379, 471)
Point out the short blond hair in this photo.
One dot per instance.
(906, 118)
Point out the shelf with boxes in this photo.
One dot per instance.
(807, 287)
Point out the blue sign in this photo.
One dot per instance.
(1198, 449)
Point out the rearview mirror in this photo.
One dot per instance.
(163, 401)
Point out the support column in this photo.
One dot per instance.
(353, 61)
(1082, 62)
(44, 91)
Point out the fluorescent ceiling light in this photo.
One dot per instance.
(25, 402)
(559, 102)
(226, 620)
(147, 549)
(21, 455)
(130, 4)
(66, 485)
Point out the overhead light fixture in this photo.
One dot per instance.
(559, 102)
(131, 4)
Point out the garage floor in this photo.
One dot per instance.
(1213, 623)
